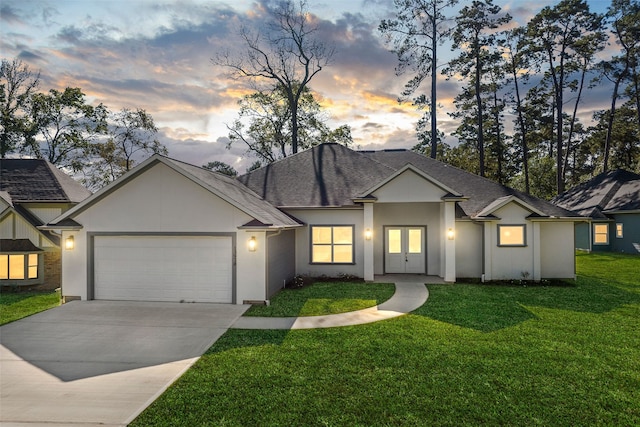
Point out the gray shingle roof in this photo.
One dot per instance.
(616, 190)
(230, 188)
(18, 245)
(36, 180)
(326, 175)
(332, 175)
(480, 191)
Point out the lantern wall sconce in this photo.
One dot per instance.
(450, 234)
(69, 243)
(368, 234)
(253, 244)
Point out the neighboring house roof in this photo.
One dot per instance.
(608, 192)
(37, 180)
(227, 188)
(333, 175)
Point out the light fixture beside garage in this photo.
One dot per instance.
(451, 234)
(252, 244)
(368, 234)
(69, 243)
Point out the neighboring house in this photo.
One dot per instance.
(612, 201)
(170, 231)
(32, 192)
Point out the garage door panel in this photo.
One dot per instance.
(163, 268)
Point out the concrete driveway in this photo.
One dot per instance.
(101, 362)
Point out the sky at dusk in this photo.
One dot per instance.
(157, 55)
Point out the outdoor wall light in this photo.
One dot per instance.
(368, 234)
(253, 244)
(450, 234)
(69, 243)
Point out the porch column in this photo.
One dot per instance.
(449, 238)
(368, 238)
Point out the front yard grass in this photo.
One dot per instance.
(472, 355)
(322, 298)
(16, 305)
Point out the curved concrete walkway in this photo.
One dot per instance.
(408, 297)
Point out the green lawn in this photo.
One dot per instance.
(324, 298)
(472, 355)
(16, 305)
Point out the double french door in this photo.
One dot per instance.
(405, 249)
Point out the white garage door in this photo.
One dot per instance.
(163, 268)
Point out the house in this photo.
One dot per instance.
(612, 201)
(170, 231)
(32, 193)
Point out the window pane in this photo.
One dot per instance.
(619, 231)
(342, 235)
(321, 235)
(395, 241)
(321, 253)
(4, 267)
(33, 266)
(601, 233)
(16, 266)
(415, 240)
(512, 235)
(343, 253)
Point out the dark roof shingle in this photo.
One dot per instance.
(609, 191)
(333, 175)
(36, 180)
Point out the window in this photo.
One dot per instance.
(619, 233)
(600, 234)
(18, 266)
(511, 235)
(332, 244)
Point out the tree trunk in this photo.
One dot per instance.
(612, 112)
(573, 121)
(434, 70)
(523, 133)
(500, 151)
(480, 112)
(293, 101)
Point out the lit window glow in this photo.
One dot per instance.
(601, 234)
(332, 244)
(511, 235)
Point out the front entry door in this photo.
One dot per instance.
(405, 250)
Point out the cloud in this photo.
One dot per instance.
(10, 15)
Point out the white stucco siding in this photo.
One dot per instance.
(251, 267)
(557, 250)
(506, 262)
(157, 202)
(328, 217)
(409, 187)
(468, 238)
(74, 266)
(407, 214)
(162, 200)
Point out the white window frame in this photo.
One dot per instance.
(504, 227)
(332, 244)
(597, 233)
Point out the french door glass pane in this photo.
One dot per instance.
(415, 240)
(395, 241)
